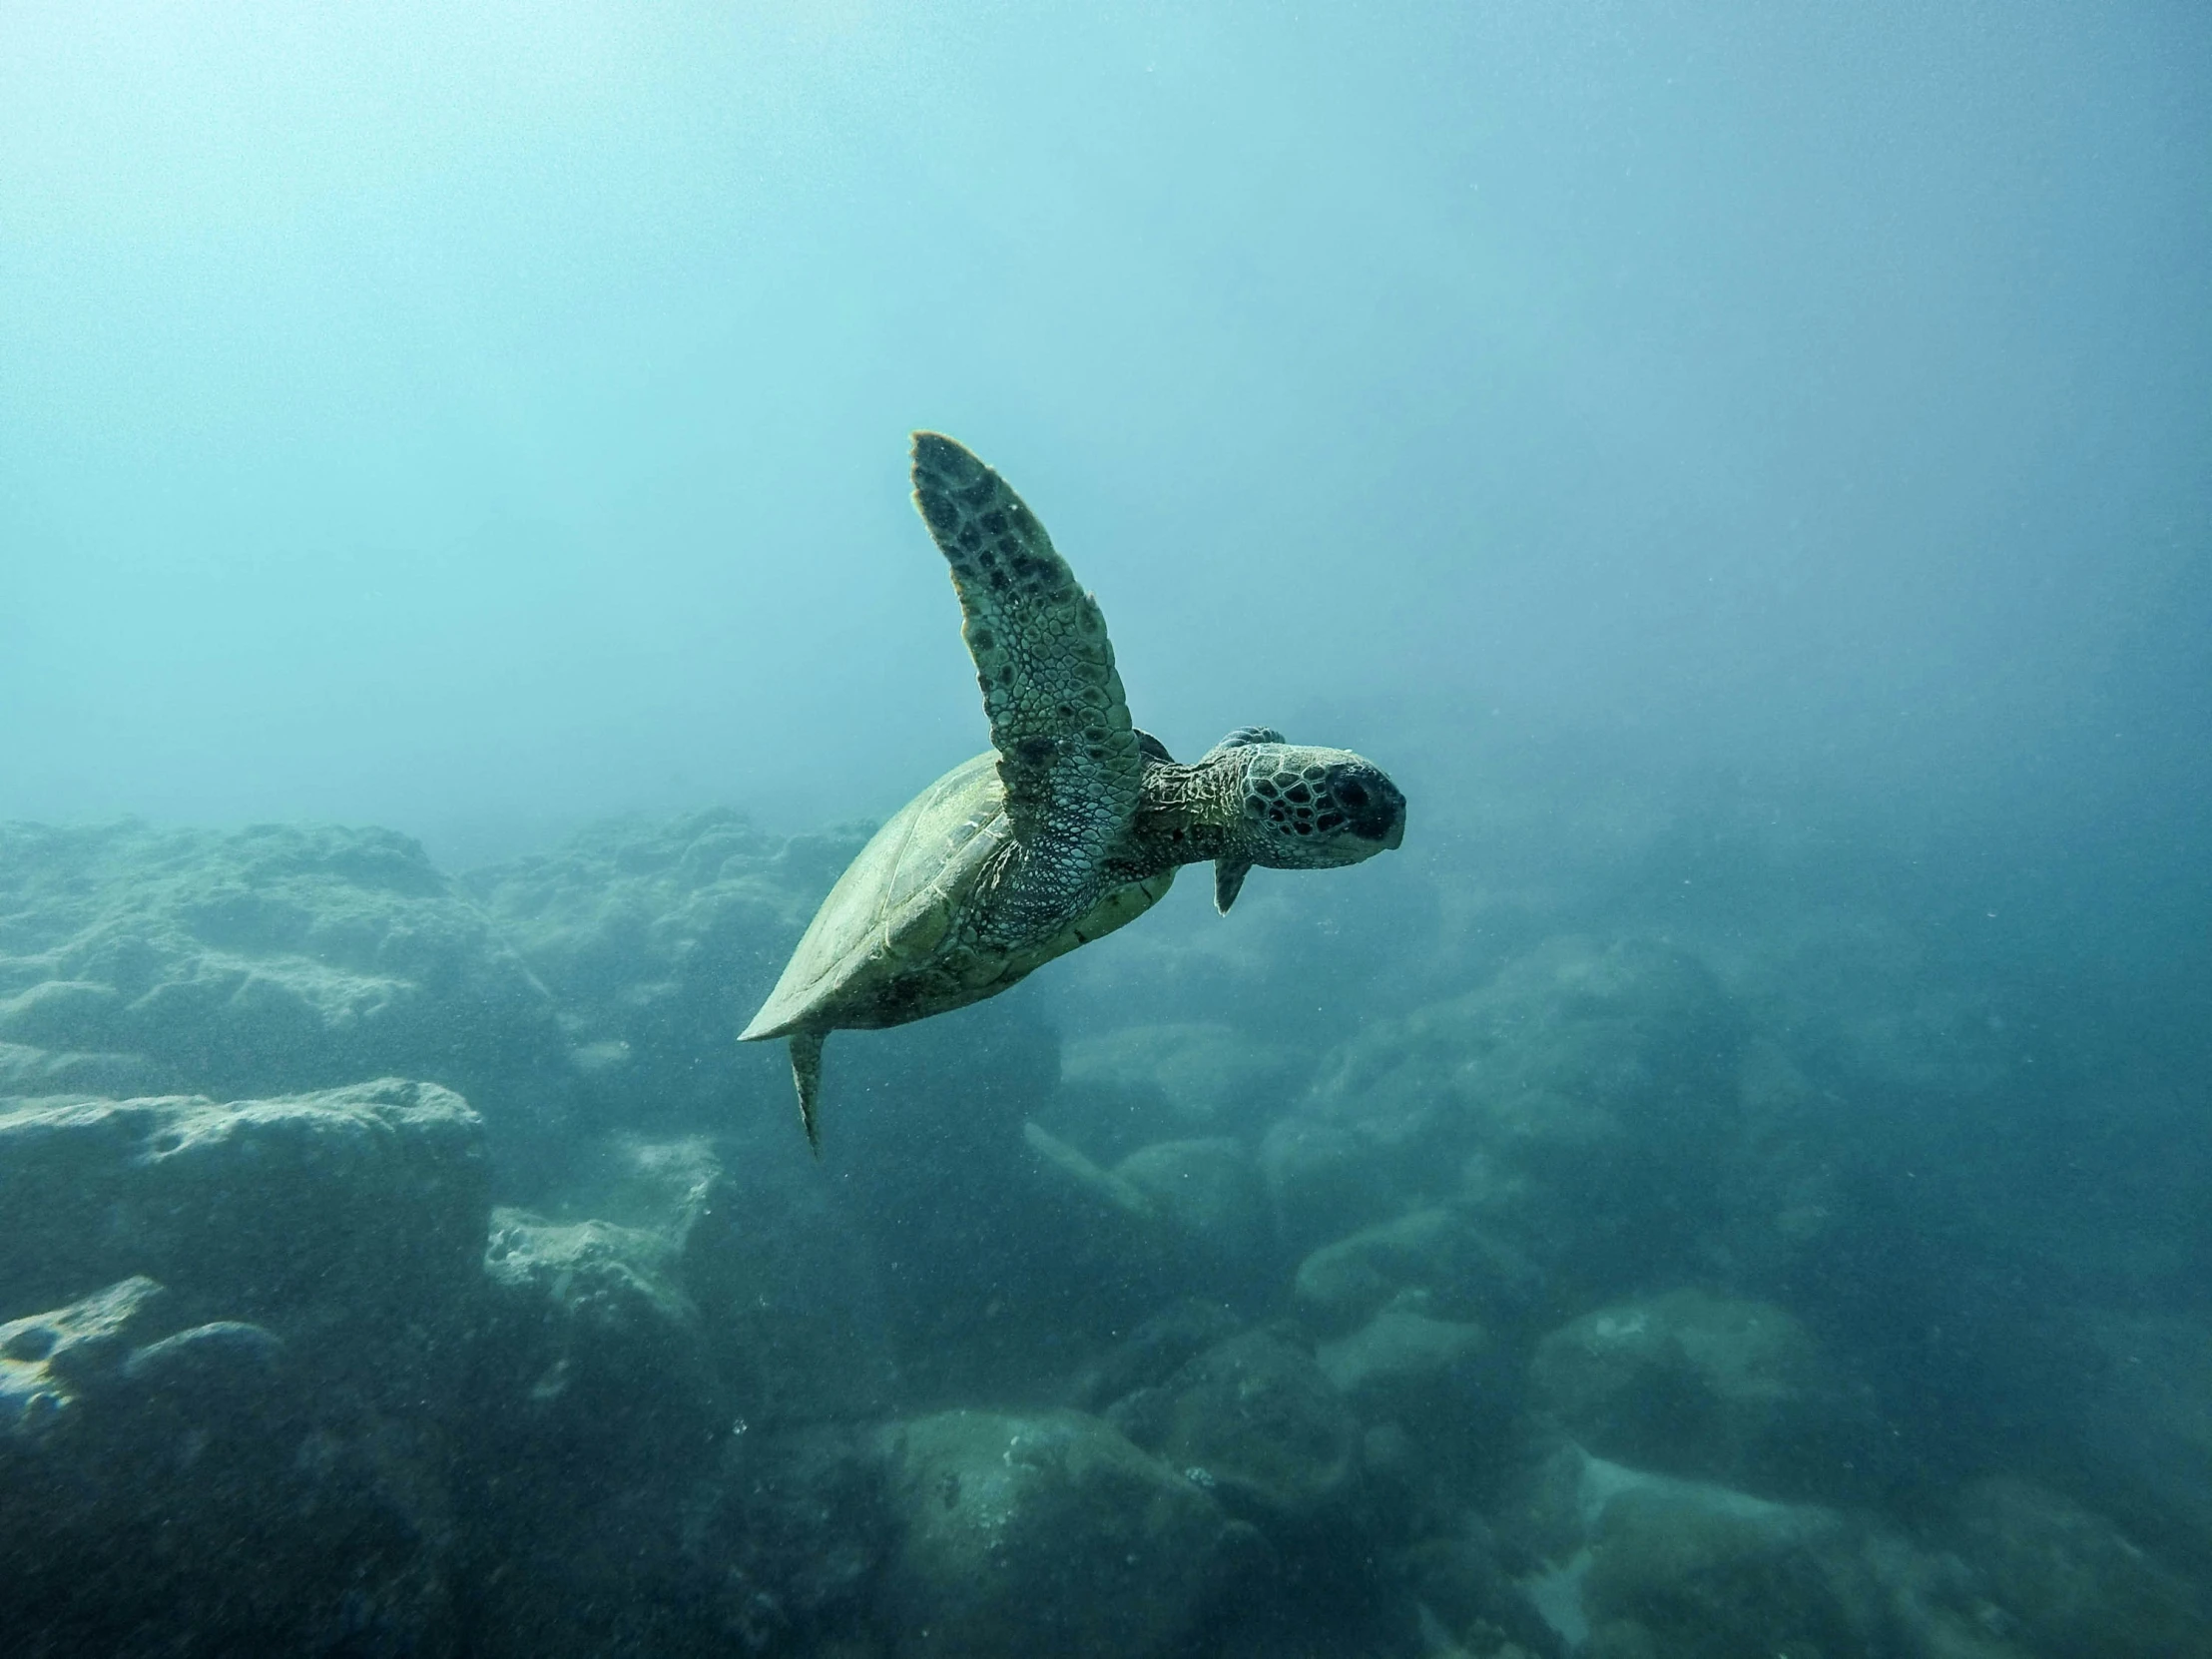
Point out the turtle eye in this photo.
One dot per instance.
(1351, 793)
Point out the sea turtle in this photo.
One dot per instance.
(1073, 824)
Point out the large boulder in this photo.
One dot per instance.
(1255, 1420)
(1697, 1385)
(1151, 1353)
(252, 1460)
(658, 940)
(1438, 1398)
(1630, 1564)
(1465, 1585)
(2073, 1584)
(797, 1316)
(591, 1344)
(357, 1212)
(26, 1070)
(698, 1289)
(1325, 1179)
(1186, 1215)
(273, 960)
(2130, 1419)
(1209, 1194)
(773, 1545)
(1436, 1259)
(1677, 1567)
(1187, 1080)
(1111, 1231)
(791, 1549)
(594, 1424)
(1045, 1533)
(1691, 1573)
(1437, 1378)
(659, 1379)
(1579, 1106)
(180, 1487)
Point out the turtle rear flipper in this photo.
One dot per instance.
(1228, 880)
(806, 1075)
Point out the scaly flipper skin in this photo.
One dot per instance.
(1067, 754)
(806, 1077)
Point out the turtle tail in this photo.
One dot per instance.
(807, 1073)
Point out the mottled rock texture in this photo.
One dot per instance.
(1577, 1105)
(268, 961)
(192, 1488)
(1045, 1533)
(1120, 1091)
(362, 1206)
(1255, 1420)
(1697, 1385)
(2076, 1586)
(657, 940)
(1421, 1286)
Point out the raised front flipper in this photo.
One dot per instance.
(1069, 759)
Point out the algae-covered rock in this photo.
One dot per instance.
(1121, 1089)
(1258, 1422)
(273, 960)
(657, 939)
(1632, 1562)
(1434, 1256)
(1325, 1179)
(2136, 1412)
(42, 1073)
(1178, 1216)
(47, 1360)
(362, 1207)
(1113, 1203)
(791, 1546)
(642, 1433)
(1635, 1562)
(796, 1314)
(1471, 1590)
(1577, 1105)
(2076, 1586)
(1698, 1575)
(1442, 1387)
(1154, 1352)
(594, 1340)
(1697, 1385)
(1045, 1534)
(1209, 1192)
(626, 1438)
(197, 1490)
(700, 1282)
(593, 1420)
(1439, 1378)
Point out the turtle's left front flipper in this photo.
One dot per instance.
(1067, 753)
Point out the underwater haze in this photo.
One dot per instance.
(1736, 1182)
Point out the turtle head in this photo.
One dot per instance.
(1309, 808)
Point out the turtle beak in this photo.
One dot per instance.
(1381, 817)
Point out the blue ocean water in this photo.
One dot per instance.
(1734, 1181)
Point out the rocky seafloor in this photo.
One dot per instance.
(401, 1263)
